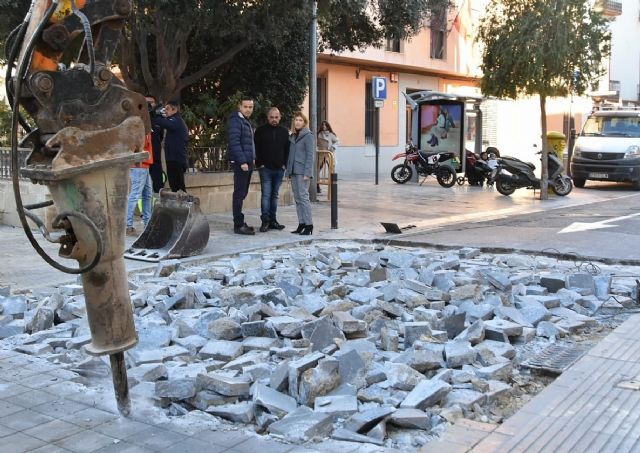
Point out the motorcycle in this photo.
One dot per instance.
(478, 171)
(426, 163)
(512, 174)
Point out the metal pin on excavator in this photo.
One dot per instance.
(90, 130)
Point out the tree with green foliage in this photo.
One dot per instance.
(547, 48)
(205, 51)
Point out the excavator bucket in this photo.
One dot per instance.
(177, 229)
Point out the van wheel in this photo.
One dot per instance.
(636, 185)
(579, 182)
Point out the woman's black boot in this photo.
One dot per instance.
(300, 228)
(308, 230)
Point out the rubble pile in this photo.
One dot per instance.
(364, 343)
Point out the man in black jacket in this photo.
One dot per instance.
(272, 151)
(175, 145)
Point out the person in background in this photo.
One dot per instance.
(242, 155)
(272, 149)
(155, 170)
(175, 145)
(140, 188)
(300, 170)
(327, 140)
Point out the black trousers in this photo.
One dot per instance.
(155, 170)
(175, 175)
(241, 181)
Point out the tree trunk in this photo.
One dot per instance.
(544, 183)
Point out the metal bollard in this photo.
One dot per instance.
(334, 201)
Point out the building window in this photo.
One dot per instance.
(393, 45)
(438, 35)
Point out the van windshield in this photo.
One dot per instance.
(612, 126)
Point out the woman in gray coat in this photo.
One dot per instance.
(300, 170)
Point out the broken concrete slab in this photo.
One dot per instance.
(427, 393)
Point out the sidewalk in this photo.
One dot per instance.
(362, 206)
(43, 409)
(594, 406)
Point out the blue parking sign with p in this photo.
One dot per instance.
(379, 85)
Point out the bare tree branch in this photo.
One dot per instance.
(207, 68)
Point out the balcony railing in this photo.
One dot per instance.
(614, 85)
(609, 8)
(5, 161)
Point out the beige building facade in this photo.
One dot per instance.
(444, 57)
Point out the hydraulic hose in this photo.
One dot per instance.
(15, 167)
(14, 41)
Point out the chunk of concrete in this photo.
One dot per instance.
(243, 412)
(458, 353)
(302, 425)
(363, 422)
(337, 405)
(224, 385)
(411, 418)
(275, 402)
(426, 394)
(401, 376)
(321, 333)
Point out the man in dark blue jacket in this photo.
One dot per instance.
(242, 156)
(175, 145)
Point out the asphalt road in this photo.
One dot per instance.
(607, 230)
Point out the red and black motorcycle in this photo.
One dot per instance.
(426, 163)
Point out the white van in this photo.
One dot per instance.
(608, 148)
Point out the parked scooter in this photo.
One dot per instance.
(512, 174)
(478, 170)
(426, 163)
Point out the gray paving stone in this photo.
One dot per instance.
(226, 439)
(5, 431)
(192, 445)
(262, 445)
(11, 389)
(85, 442)
(121, 427)
(7, 408)
(91, 417)
(53, 430)
(20, 421)
(155, 438)
(50, 448)
(19, 443)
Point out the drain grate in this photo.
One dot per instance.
(555, 358)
